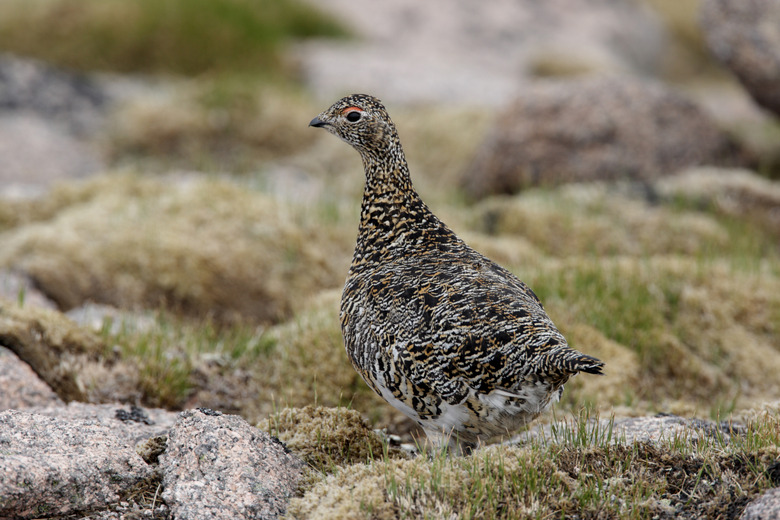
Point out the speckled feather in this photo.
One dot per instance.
(450, 338)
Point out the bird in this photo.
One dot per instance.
(442, 333)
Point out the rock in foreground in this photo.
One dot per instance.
(218, 466)
(51, 466)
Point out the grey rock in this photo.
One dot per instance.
(130, 424)
(36, 152)
(18, 287)
(218, 466)
(20, 386)
(47, 118)
(97, 316)
(56, 95)
(51, 466)
(765, 507)
(745, 36)
(594, 129)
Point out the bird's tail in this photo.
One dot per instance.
(589, 364)
(573, 361)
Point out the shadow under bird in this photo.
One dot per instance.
(442, 333)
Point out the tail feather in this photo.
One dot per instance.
(589, 364)
(573, 361)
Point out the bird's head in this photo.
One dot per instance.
(362, 121)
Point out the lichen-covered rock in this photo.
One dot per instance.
(745, 36)
(594, 129)
(130, 424)
(35, 87)
(218, 466)
(51, 466)
(765, 507)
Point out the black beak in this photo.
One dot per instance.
(317, 122)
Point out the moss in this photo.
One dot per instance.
(199, 247)
(217, 123)
(325, 437)
(593, 478)
(54, 347)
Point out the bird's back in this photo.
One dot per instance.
(451, 328)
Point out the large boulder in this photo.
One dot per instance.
(745, 36)
(594, 129)
(51, 466)
(105, 459)
(218, 466)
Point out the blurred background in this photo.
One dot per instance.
(159, 184)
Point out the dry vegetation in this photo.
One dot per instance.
(583, 471)
(152, 36)
(675, 284)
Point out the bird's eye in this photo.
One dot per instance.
(353, 116)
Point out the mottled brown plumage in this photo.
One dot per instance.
(444, 334)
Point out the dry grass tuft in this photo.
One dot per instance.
(740, 194)
(601, 220)
(325, 437)
(220, 123)
(201, 247)
(590, 478)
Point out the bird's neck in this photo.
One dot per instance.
(387, 177)
(391, 207)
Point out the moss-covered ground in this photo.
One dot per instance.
(675, 284)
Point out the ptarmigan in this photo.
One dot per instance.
(450, 338)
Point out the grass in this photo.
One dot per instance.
(675, 285)
(189, 37)
(582, 474)
(176, 360)
(168, 351)
(138, 232)
(219, 123)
